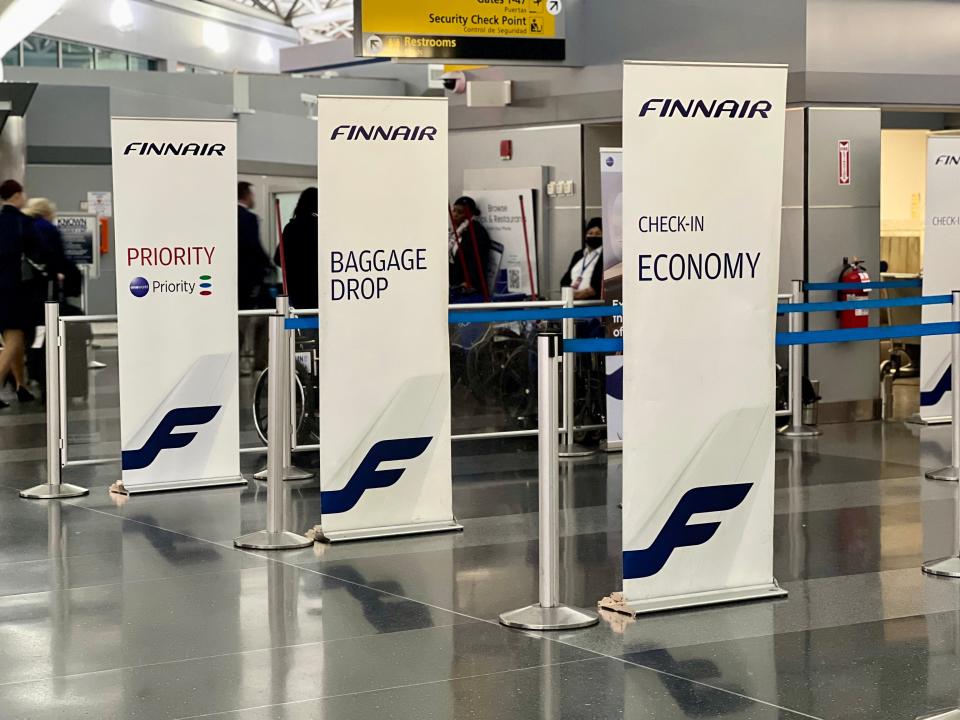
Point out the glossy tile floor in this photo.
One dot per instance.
(142, 608)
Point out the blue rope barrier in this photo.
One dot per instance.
(784, 308)
(888, 332)
(304, 323)
(488, 316)
(877, 285)
(594, 345)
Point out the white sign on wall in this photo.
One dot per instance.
(702, 196)
(506, 214)
(385, 465)
(177, 302)
(941, 260)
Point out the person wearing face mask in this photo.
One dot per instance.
(585, 274)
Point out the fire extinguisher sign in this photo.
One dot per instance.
(844, 174)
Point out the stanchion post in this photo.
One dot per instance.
(275, 537)
(951, 473)
(569, 449)
(796, 428)
(549, 614)
(290, 471)
(53, 488)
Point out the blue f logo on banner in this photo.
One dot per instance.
(368, 476)
(677, 532)
(163, 438)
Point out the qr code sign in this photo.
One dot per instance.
(514, 280)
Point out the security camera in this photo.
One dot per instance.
(455, 82)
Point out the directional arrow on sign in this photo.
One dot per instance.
(554, 7)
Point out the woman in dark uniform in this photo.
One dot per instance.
(21, 286)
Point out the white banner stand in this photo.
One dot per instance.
(941, 260)
(177, 303)
(385, 466)
(702, 196)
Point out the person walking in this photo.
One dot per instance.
(253, 266)
(21, 286)
(300, 253)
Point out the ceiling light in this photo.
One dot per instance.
(121, 15)
(215, 37)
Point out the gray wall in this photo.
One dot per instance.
(558, 150)
(769, 31)
(842, 221)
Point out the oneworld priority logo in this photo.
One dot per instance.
(206, 286)
(139, 287)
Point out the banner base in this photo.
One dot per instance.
(947, 474)
(338, 536)
(611, 446)
(120, 489)
(617, 603)
(935, 420)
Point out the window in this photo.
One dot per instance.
(12, 58)
(111, 59)
(139, 62)
(39, 51)
(77, 56)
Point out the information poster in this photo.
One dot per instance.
(177, 302)
(611, 198)
(385, 464)
(702, 176)
(509, 217)
(459, 29)
(81, 238)
(941, 270)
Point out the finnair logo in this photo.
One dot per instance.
(948, 160)
(369, 476)
(163, 438)
(736, 109)
(384, 132)
(176, 149)
(677, 532)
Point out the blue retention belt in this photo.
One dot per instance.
(593, 345)
(486, 316)
(865, 286)
(888, 332)
(784, 308)
(303, 323)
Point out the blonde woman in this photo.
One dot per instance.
(44, 214)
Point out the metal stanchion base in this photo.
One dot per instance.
(948, 715)
(290, 472)
(799, 431)
(561, 617)
(569, 452)
(947, 474)
(263, 540)
(944, 567)
(96, 365)
(53, 492)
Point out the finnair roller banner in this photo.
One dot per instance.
(384, 346)
(703, 169)
(941, 270)
(177, 302)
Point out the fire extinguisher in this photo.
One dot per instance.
(853, 272)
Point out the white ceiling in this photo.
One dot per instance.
(315, 20)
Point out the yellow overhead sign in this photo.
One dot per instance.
(475, 29)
